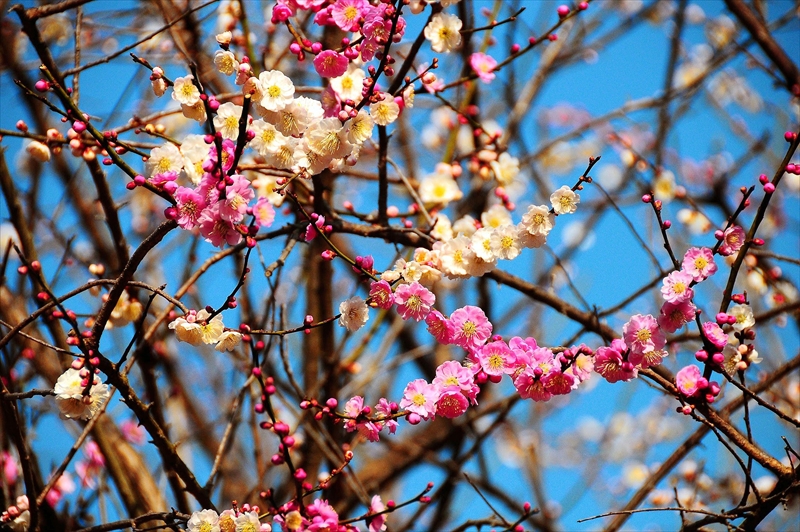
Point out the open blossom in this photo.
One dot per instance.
(228, 340)
(444, 32)
(732, 240)
(384, 111)
(71, 402)
(456, 257)
(350, 84)
(237, 197)
(482, 243)
(439, 188)
(496, 216)
(330, 64)
(376, 523)
(496, 358)
(380, 295)
(413, 301)
(440, 327)
(266, 138)
(164, 159)
(538, 220)
(226, 62)
(203, 521)
(247, 521)
(420, 398)
(452, 374)
(675, 315)
(609, 362)
(699, 263)
(688, 380)
(354, 313)
(217, 230)
(471, 328)
(185, 92)
(451, 404)
(677, 287)
(564, 200)
(483, 65)
(642, 334)
(347, 13)
(505, 242)
(505, 168)
(227, 120)
(328, 138)
(529, 385)
(744, 317)
(189, 204)
(276, 90)
(359, 128)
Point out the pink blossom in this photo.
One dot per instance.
(311, 229)
(380, 295)
(228, 155)
(558, 382)
(699, 263)
(132, 431)
(440, 327)
(609, 362)
(688, 380)
(347, 14)
(452, 374)
(264, 212)
(732, 240)
(483, 65)
(63, 485)
(10, 468)
(496, 358)
(452, 404)
(642, 334)
(677, 287)
(162, 179)
(190, 205)
(330, 64)
(522, 349)
(420, 398)
(715, 334)
(331, 103)
(413, 301)
(352, 409)
(208, 189)
(530, 386)
(675, 315)
(471, 328)
(376, 523)
(648, 359)
(237, 196)
(385, 409)
(322, 516)
(216, 230)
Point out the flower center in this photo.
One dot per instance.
(273, 91)
(469, 329)
(538, 219)
(350, 13)
(679, 288)
(643, 335)
(231, 122)
(414, 302)
(419, 399)
(700, 263)
(507, 242)
(267, 136)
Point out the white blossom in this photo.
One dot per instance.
(744, 317)
(226, 62)
(496, 216)
(444, 32)
(505, 168)
(384, 111)
(166, 158)
(439, 188)
(267, 138)
(203, 521)
(505, 243)
(184, 91)
(564, 200)
(70, 399)
(350, 84)
(538, 220)
(276, 90)
(354, 313)
(227, 120)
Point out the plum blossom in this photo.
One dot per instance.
(675, 315)
(483, 65)
(184, 91)
(413, 301)
(330, 64)
(677, 287)
(378, 522)
(564, 200)
(444, 32)
(471, 328)
(439, 188)
(609, 362)
(70, 400)
(276, 90)
(744, 317)
(451, 404)
(642, 334)
(732, 240)
(699, 263)
(689, 380)
(354, 313)
(203, 521)
(227, 120)
(538, 220)
(496, 358)
(420, 398)
(715, 334)
(439, 327)
(384, 111)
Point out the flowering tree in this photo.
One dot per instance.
(358, 264)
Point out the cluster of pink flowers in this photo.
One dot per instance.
(218, 206)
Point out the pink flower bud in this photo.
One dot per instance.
(769, 188)
(563, 11)
(789, 136)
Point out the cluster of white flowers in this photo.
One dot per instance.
(197, 329)
(70, 399)
(229, 520)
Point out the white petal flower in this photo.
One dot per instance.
(360, 127)
(455, 257)
(744, 317)
(276, 91)
(189, 332)
(439, 188)
(496, 216)
(227, 120)
(564, 200)
(354, 313)
(350, 84)
(538, 220)
(328, 138)
(505, 243)
(482, 244)
(203, 521)
(283, 156)
(444, 32)
(296, 117)
(226, 62)
(505, 169)
(385, 111)
(466, 225)
(195, 151)
(228, 340)
(70, 399)
(166, 158)
(184, 91)
(267, 139)
(442, 230)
